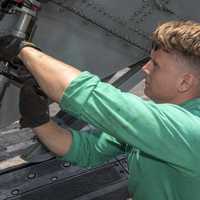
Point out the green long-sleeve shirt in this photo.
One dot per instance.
(162, 141)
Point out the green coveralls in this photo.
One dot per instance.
(162, 141)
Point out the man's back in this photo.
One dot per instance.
(150, 179)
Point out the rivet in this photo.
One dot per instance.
(31, 176)
(66, 164)
(61, 9)
(15, 192)
(54, 178)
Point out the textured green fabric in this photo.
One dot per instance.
(162, 140)
(103, 148)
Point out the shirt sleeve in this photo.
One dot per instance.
(92, 148)
(164, 131)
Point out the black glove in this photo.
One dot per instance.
(33, 106)
(10, 46)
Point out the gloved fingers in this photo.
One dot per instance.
(31, 95)
(26, 92)
(31, 100)
(32, 85)
(31, 82)
(5, 39)
(33, 106)
(9, 47)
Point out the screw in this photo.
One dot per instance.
(31, 176)
(61, 10)
(66, 164)
(15, 192)
(54, 179)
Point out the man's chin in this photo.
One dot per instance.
(148, 93)
(151, 96)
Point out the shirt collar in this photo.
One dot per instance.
(192, 105)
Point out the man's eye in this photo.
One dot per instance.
(155, 67)
(155, 64)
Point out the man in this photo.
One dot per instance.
(161, 137)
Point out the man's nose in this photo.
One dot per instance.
(147, 67)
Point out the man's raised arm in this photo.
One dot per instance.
(52, 75)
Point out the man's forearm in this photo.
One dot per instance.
(52, 75)
(55, 138)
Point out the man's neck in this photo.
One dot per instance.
(182, 99)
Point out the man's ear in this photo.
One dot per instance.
(186, 82)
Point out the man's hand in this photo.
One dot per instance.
(10, 47)
(33, 106)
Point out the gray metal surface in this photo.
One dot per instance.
(81, 43)
(56, 179)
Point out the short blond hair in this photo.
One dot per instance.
(180, 36)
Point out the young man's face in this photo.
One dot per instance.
(162, 74)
